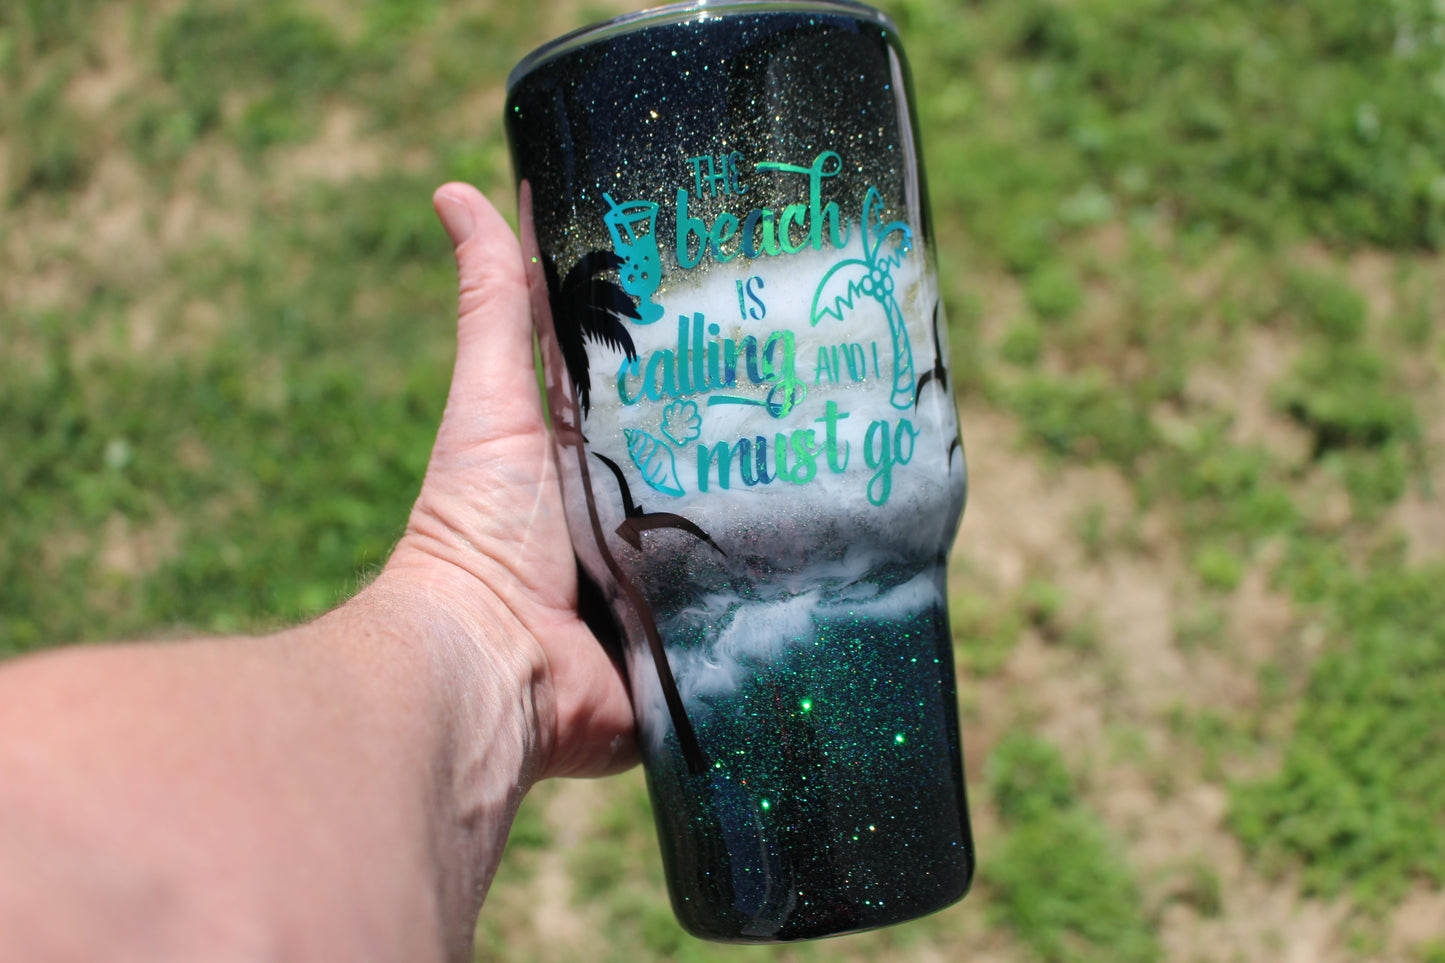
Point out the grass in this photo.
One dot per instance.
(1356, 803)
(225, 336)
(1058, 878)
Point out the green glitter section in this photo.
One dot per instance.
(834, 800)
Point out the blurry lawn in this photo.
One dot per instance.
(225, 337)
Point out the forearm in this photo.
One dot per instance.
(321, 793)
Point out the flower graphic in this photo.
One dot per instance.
(681, 422)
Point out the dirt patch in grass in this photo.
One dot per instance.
(1109, 705)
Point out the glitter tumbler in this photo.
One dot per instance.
(746, 363)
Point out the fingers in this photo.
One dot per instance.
(494, 384)
(491, 498)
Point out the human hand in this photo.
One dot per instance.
(342, 789)
(488, 527)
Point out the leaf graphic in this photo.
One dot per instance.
(876, 231)
(840, 287)
(681, 422)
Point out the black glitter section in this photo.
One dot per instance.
(624, 116)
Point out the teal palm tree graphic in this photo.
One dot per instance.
(885, 245)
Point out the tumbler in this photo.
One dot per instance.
(746, 365)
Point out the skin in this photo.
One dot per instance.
(341, 790)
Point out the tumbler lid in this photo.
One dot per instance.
(698, 10)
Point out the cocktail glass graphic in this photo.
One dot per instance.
(632, 225)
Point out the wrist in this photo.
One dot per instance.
(487, 673)
(484, 681)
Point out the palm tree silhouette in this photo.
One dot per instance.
(586, 306)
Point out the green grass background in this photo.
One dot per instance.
(225, 335)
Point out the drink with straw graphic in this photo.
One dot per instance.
(632, 225)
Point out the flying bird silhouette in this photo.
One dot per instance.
(939, 373)
(638, 521)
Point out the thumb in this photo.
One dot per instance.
(494, 388)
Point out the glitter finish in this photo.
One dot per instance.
(745, 359)
(834, 799)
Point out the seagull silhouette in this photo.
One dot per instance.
(940, 370)
(638, 521)
(631, 529)
(939, 373)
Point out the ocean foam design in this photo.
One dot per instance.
(804, 554)
(730, 638)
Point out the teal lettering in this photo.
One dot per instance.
(628, 367)
(711, 179)
(792, 214)
(806, 451)
(663, 362)
(823, 368)
(705, 455)
(699, 378)
(755, 284)
(770, 235)
(735, 184)
(722, 232)
(683, 384)
(800, 225)
(780, 458)
(881, 454)
(905, 429)
(749, 347)
(714, 373)
(829, 421)
(825, 165)
(880, 485)
(687, 226)
(750, 228)
(748, 446)
(783, 372)
(730, 363)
